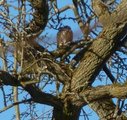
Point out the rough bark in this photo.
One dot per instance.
(111, 34)
(68, 112)
(97, 54)
(77, 90)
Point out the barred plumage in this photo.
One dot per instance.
(64, 36)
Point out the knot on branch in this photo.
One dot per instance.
(102, 12)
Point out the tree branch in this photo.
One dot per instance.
(101, 49)
(36, 94)
(102, 92)
(40, 16)
(109, 74)
(14, 104)
(41, 97)
(8, 79)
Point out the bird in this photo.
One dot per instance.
(64, 36)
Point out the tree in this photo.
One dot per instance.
(29, 67)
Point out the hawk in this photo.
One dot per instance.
(64, 36)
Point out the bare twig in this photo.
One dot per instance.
(15, 103)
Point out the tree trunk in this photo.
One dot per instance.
(68, 112)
